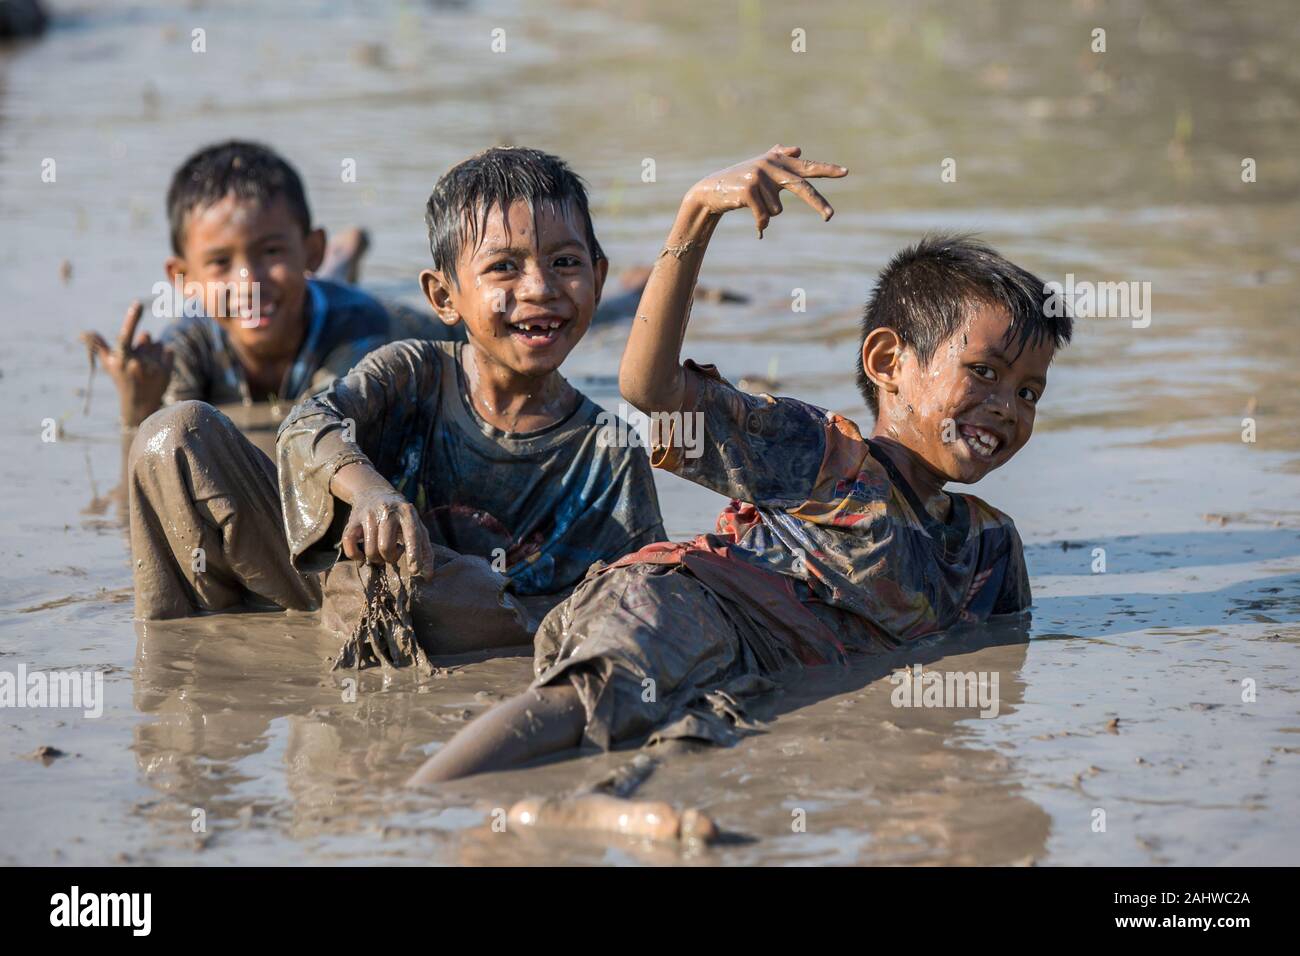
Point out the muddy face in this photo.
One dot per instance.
(235, 243)
(971, 408)
(528, 291)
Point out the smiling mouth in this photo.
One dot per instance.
(982, 442)
(536, 333)
(257, 320)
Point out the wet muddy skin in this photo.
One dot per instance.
(1125, 693)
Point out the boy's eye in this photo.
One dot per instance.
(1029, 395)
(983, 371)
(222, 264)
(504, 265)
(567, 262)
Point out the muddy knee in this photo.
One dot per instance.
(170, 428)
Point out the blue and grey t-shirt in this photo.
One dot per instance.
(544, 504)
(344, 324)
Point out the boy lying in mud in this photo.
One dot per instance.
(262, 310)
(834, 544)
(447, 462)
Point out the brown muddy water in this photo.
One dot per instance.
(1117, 166)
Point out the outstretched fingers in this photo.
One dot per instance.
(808, 168)
(783, 168)
(132, 321)
(805, 191)
(97, 344)
(791, 172)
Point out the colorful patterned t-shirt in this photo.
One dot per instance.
(816, 502)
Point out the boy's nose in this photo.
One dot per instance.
(250, 272)
(535, 284)
(1003, 406)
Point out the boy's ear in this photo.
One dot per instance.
(438, 292)
(602, 272)
(882, 355)
(314, 245)
(175, 266)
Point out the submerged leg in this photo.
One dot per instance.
(601, 812)
(534, 724)
(632, 648)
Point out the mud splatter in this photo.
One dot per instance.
(385, 634)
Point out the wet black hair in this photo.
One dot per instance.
(249, 170)
(925, 293)
(459, 206)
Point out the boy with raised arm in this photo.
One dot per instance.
(833, 543)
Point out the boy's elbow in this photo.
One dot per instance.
(650, 393)
(632, 388)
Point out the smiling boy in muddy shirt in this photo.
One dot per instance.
(262, 305)
(834, 543)
(473, 466)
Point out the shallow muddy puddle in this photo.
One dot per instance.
(1124, 694)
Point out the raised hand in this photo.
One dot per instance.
(757, 183)
(139, 368)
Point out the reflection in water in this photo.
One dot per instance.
(244, 717)
(243, 720)
(887, 784)
(245, 723)
(1123, 166)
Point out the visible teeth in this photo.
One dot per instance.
(983, 442)
(540, 327)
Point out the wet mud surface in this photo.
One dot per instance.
(1124, 694)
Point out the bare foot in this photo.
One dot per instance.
(342, 262)
(653, 819)
(633, 280)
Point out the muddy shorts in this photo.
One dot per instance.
(671, 649)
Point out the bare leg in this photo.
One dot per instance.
(621, 303)
(531, 725)
(343, 256)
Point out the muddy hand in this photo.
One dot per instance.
(382, 527)
(140, 368)
(757, 183)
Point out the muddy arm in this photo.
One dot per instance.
(651, 375)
